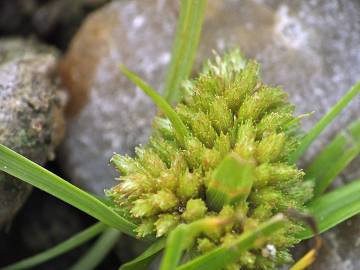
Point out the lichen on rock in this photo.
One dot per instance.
(31, 111)
(227, 110)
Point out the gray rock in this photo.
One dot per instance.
(311, 48)
(300, 47)
(55, 21)
(43, 222)
(340, 250)
(116, 117)
(31, 117)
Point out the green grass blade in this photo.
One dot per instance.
(98, 251)
(334, 158)
(179, 126)
(227, 254)
(31, 173)
(142, 261)
(182, 236)
(325, 121)
(174, 248)
(231, 182)
(185, 46)
(59, 249)
(334, 207)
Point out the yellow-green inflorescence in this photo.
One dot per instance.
(227, 110)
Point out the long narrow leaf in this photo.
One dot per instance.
(227, 254)
(59, 249)
(98, 251)
(174, 248)
(29, 172)
(325, 121)
(142, 261)
(334, 207)
(181, 237)
(334, 158)
(185, 46)
(179, 126)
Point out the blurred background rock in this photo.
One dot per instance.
(31, 112)
(53, 21)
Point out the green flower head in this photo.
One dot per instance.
(230, 115)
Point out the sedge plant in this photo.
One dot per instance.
(217, 185)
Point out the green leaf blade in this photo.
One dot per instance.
(185, 46)
(325, 121)
(180, 128)
(227, 254)
(59, 249)
(98, 251)
(31, 173)
(142, 261)
(182, 237)
(174, 248)
(334, 158)
(334, 207)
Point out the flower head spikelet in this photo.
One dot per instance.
(227, 110)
